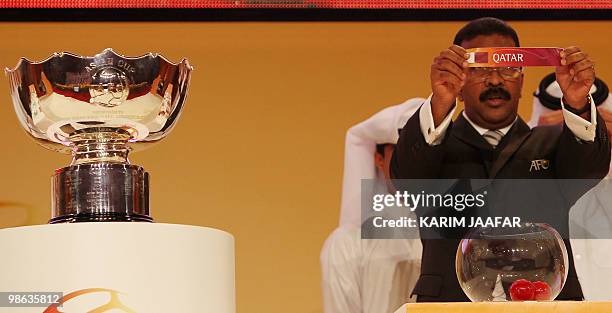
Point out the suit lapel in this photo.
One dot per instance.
(508, 145)
(466, 133)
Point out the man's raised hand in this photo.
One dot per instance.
(448, 74)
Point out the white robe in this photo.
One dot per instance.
(368, 275)
(591, 217)
(592, 213)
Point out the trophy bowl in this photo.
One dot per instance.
(60, 99)
(527, 263)
(99, 108)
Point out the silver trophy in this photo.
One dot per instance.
(99, 109)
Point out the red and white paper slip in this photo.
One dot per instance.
(513, 56)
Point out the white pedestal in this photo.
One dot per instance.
(149, 267)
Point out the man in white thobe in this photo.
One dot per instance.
(369, 275)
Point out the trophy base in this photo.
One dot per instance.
(100, 192)
(100, 217)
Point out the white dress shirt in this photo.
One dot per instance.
(581, 128)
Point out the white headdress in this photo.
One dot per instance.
(360, 146)
(548, 94)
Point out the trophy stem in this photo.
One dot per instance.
(96, 145)
(100, 185)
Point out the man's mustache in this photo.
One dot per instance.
(495, 92)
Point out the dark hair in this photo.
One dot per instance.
(380, 148)
(485, 26)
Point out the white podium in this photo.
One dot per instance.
(125, 267)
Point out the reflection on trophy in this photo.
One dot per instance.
(98, 109)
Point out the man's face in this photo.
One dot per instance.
(491, 101)
(383, 163)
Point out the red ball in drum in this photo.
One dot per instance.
(541, 291)
(522, 290)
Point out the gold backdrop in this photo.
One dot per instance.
(258, 150)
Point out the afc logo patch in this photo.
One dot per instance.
(538, 165)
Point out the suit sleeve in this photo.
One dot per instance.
(413, 157)
(581, 128)
(576, 158)
(433, 135)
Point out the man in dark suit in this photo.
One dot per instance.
(489, 140)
